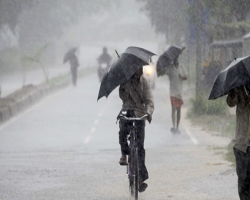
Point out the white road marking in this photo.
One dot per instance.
(92, 130)
(192, 138)
(87, 139)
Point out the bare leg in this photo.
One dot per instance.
(173, 116)
(178, 116)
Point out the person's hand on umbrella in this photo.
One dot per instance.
(246, 93)
(182, 77)
(247, 98)
(232, 93)
(149, 117)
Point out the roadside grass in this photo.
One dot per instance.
(219, 123)
(67, 77)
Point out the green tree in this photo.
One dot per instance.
(48, 20)
(168, 18)
(10, 11)
(228, 18)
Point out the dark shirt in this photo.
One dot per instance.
(137, 96)
(104, 58)
(242, 134)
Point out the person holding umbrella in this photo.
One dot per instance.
(137, 99)
(168, 64)
(240, 97)
(234, 81)
(74, 63)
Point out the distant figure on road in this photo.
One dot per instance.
(74, 64)
(240, 97)
(177, 74)
(104, 61)
(168, 64)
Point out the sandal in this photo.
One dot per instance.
(142, 187)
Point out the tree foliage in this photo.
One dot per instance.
(45, 20)
(167, 17)
(226, 18)
(10, 11)
(48, 20)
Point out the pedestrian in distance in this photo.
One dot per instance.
(74, 64)
(137, 99)
(240, 98)
(168, 64)
(177, 74)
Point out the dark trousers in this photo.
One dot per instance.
(125, 127)
(243, 172)
(74, 75)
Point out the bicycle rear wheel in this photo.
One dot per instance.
(134, 174)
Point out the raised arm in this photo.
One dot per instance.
(232, 98)
(148, 100)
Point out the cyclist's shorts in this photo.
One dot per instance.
(177, 103)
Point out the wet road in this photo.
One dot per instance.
(66, 147)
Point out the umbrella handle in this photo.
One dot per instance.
(117, 54)
(245, 90)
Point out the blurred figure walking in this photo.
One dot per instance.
(168, 64)
(74, 63)
(177, 74)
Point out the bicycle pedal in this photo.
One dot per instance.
(123, 164)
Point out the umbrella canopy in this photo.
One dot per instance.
(167, 58)
(162, 64)
(68, 54)
(123, 68)
(173, 52)
(235, 75)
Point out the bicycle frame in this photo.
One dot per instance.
(133, 164)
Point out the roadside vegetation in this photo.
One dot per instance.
(213, 116)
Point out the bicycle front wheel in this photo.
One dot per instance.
(134, 174)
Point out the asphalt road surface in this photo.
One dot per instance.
(66, 147)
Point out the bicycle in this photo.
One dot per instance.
(133, 164)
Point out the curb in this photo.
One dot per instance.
(17, 106)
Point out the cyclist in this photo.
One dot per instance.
(137, 100)
(104, 57)
(104, 61)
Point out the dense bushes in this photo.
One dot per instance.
(203, 106)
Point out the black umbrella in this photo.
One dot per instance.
(167, 58)
(235, 75)
(173, 52)
(68, 54)
(123, 68)
(161, 65)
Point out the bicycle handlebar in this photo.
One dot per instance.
(132, 118)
